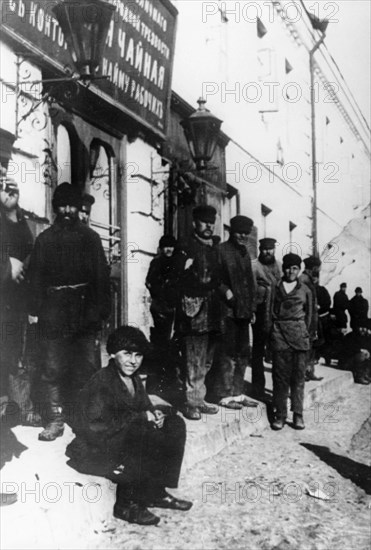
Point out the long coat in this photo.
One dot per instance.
(16, 241)
(306, 278)
(63, 257)
(291, 318)
(106, 412)
(237, 276)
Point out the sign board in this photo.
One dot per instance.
(138, 56)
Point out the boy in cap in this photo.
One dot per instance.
(291, 319)
(239, 292)
(199, 321)
(122, 436)
(267, 273)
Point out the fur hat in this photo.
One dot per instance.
(66, 194)
(291, 259)
(127, 338)
(267, 243)
(311, 262)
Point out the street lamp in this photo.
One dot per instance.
(201, 130)
(85, 25)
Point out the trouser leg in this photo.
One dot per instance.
(258, 349)
(282, 367)
(298, 381)
(241, 355)
(54, 369)
(199, 352)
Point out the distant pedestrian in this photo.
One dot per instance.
(323, 344)
(340, 306)
(358, 308)
(290, 341)
(87, 202)
(267, 274)
(356, 352)
(239, 292)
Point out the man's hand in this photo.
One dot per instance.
(17, 270)
(365, 354)
(229, 295)
(32, 319)
(189, 263)
(160, 418)
(150, 416)
(253, 319)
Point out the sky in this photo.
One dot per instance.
(348, 40)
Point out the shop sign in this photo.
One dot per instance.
(137, 59)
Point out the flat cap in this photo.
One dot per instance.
(267, 243)
(241, 224)
(167, 241)
(204, 213)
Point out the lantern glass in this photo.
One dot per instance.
(85, 26)
(201, 130)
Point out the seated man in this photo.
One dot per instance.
(122, 436)
(356, 352)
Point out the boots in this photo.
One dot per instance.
(55, 426)
(298, 422)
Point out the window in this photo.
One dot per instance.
(63, 155)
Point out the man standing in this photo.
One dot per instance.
(341, 302)
(291, 318)
(239, 292)
(70, 294)
(308, 277)
(267, 273)
(200, 316)
(85, 208)
(16, 247)
(358, 309)
(162, 282)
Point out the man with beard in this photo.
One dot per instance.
(239, 292)
(199, 321)
(267, 273)
(70, 292)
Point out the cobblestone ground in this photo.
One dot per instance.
(253, 494)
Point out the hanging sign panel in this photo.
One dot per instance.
(137, 59)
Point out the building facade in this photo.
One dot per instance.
(120, 138)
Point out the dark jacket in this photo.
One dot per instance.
(291, 317)
(306, 278)
(106, 412)
(69, 257)
(341, 302)
(163, 280)
(200, 308)
(237, 276)
(358, 310)
(16, 242)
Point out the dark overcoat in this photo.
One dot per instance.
(237, 276)
(105, 414)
